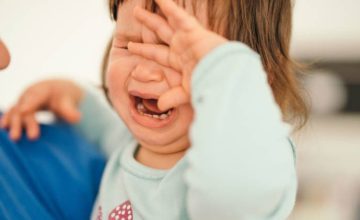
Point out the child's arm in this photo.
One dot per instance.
(241, 162)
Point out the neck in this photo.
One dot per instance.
(158, 160)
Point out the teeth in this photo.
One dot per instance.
(141, 109)
(140, 106)
(164, 116)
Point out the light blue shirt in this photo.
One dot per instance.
(241, 164)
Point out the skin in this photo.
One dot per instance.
(59, 96)
(152, 54)
(4, 56)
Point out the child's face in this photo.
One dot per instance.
(135, 83)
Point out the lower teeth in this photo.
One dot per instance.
(141, 109)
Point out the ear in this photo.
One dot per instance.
(4, 56)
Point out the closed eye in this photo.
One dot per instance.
(121, 47)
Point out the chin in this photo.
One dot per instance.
(159, 138)
(164, 135)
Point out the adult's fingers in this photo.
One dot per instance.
(32, 101)
(173, 98)
(6, 118)
(68, 110)
(15, 126)
(32, 126)
(155, 23)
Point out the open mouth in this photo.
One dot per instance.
(149, 108)
(146, 112)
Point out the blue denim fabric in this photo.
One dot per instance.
(55, 177)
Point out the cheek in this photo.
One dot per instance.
(118, 74)
(115, 79)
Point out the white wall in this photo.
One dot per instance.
(67, 37)
(47, 38)
(327, 29)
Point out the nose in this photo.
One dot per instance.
(147, 72)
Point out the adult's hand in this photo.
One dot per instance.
(58, 96)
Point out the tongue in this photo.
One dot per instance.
(151, 104)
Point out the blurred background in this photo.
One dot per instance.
(327, 37)
(66, 38)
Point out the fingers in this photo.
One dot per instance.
(32, 127)
(156, 52)
(177, 16)
(4, 120)
(15, 127)
(68, 110)
(155, 23)
(32, 100)
(173, 98)
(17, 121)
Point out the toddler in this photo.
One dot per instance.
(202, 133)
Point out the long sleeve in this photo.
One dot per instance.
(241, 163)
(100, 124)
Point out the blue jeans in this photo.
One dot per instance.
(55, 177)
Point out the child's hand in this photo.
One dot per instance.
(58, 96)
(187, 43)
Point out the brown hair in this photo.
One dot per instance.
(265, 26)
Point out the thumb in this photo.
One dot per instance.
(68, 110)
(173, 98)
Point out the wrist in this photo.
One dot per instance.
(209, 46)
